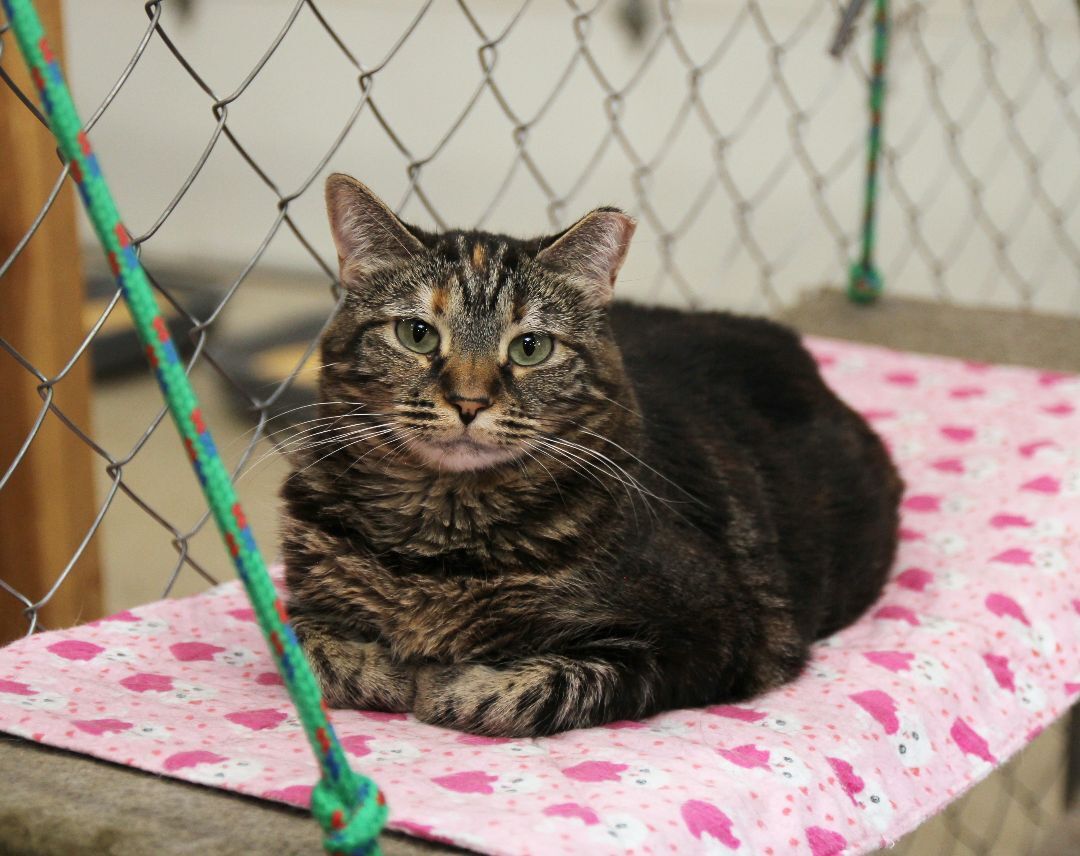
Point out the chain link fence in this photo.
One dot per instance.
(725, 127)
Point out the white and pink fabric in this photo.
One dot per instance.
(973, 648)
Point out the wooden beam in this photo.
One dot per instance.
(48, 505)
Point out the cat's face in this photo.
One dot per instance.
(467, 350)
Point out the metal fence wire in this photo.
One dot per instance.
(725, 127)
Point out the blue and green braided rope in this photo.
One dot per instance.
(864, 281)
(349, 806)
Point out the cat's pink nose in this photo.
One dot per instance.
(468, 408)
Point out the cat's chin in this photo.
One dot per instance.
(461, 455)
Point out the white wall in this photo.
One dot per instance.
(991, 246)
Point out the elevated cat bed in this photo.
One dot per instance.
(973, 649)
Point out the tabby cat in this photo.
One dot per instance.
(524, 509)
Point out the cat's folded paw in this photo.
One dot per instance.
(358, 675)
(473, 698)
(377, 682)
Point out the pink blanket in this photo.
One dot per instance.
(973, 648)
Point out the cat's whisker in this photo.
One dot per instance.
(654, 471)
(519, 462)
(376, 431)
(635, 483)
(556, 451)
(276, 451)
(396, 452)
(304, 440)
(541, 464)
(346, 438)
(359, 411)
(636, 414)
(295, 444)
(392, 439)
(644, 492)
(591, 469)
(300, 436)
(396, 443)
(619, 472)
(660, 475)
(283, 413)
(569, 464)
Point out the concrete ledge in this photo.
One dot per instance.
(54, 802)
(986, 335)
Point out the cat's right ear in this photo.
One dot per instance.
(367, 234)
(592, 251)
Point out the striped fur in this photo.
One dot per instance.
(621, 529)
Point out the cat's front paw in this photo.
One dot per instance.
(473, 698)
(357, 675)
(531, 697)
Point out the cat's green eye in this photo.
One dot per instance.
(531, 349)
(417, 336)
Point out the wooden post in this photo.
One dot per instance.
(48, 505)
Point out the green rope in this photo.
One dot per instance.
(349, 806)
(864, 281)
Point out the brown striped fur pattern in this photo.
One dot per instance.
(664, 512)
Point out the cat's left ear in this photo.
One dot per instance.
(367, 234)
(592, 251)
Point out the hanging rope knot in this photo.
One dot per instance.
(351, 829)
(864, 282)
